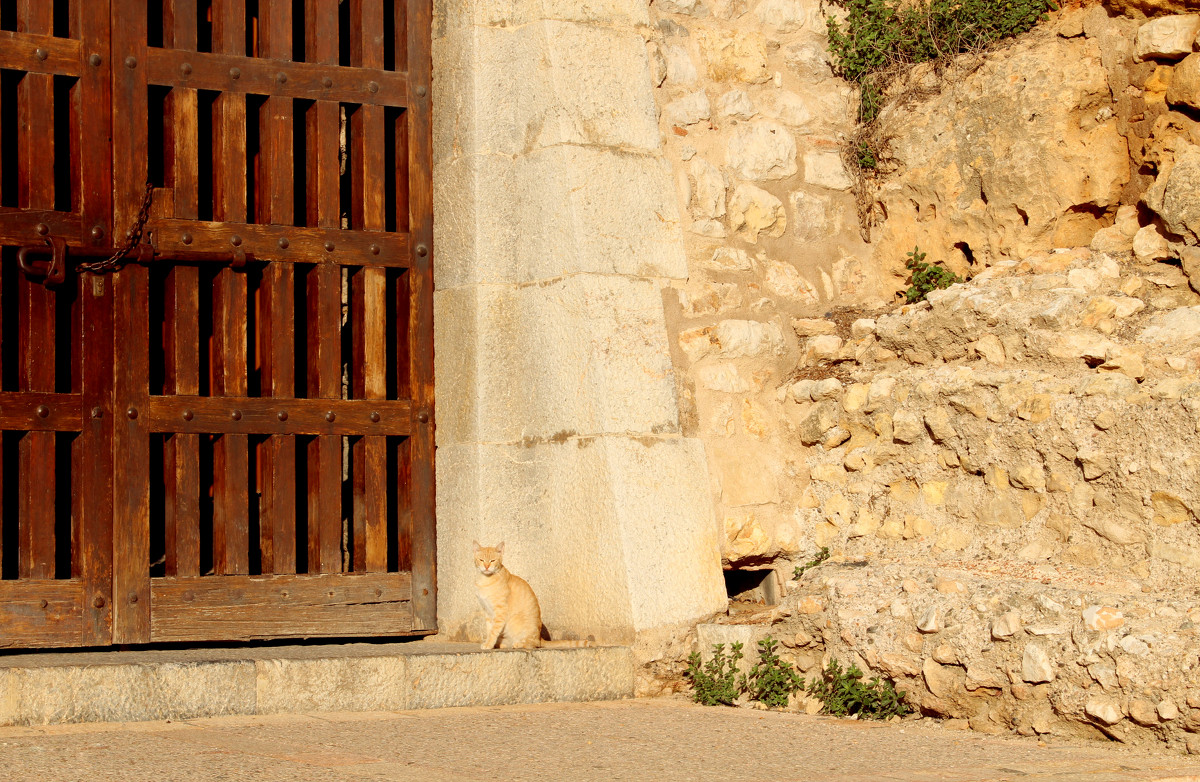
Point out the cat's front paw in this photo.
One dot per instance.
(485, 646)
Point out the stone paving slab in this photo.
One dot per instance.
(661, 739)
(116, 686)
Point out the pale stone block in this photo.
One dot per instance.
(736, 104)
(681, 69)
(331, 684)
(1168, 36)
(499, 677)
(617, 13)
(825, 170)
(632, 517)
(556, 211)
(762, 150)
(119, 693)
(688, 110)
(583, 355)
(600, 674)
(754, 211)
(552, 83)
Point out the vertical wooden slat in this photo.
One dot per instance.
(181, 459)
(181, 130)
(94, 94)
(92, 553)
(231, 471)
(37, 473)
(131, 456)
(129, 111)
(276, 349)
(35, 190)
(324, 452)
(420, 157)
(275, 205)
(231, 503)
(324, 297)
(369, 305)
(276, 117)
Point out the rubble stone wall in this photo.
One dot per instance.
(1006, 474)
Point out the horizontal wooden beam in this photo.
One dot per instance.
(255, 415)
(31, 227)
(191, 240)
(28, 411)
(237, 608)
(41, 54)
(261, 76)
(41, 613)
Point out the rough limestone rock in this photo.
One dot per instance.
(1173, 194)
(1151, 8)
(754, 211)
(996, 184)
(762, 150)
(1185, 83)
(1168, 37)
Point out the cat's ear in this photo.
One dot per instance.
(500, 547)
(475, 546)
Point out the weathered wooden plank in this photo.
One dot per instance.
(22, 51)
(41, 613)
(129, 101)
(420, 157)
(282, 606)
(211, 242)
(369, 382)
(229, 119)
(325, 452)
(404, 512)
(23, 411)
(91, 129)
(19, 226)
(253, 415)
(37, 473)
(277, 354)
(307, 81)
(231, 471)
(92, 551)
(131, 456)
(181, 457)
(182, 122)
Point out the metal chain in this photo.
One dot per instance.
(132, 238)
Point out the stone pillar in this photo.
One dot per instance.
(556, 229)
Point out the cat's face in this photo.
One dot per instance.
(488, 559)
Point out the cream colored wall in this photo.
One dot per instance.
(556, 231)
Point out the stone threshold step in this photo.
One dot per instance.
(135, 686)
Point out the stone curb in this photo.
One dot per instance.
(169, 685)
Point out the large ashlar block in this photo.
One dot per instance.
(509, 90)
(557, 211)
(615, 534)
(449, 14)
(581, 355)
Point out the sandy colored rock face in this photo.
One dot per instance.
(996, 185)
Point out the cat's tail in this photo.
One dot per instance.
(567, 644)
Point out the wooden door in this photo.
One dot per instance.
(250, 386)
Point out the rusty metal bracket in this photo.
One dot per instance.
(55, 269)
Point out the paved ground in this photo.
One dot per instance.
(628, 740)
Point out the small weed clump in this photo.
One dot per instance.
(821, 556)
(926, 277)
(844, 693)
(716, 682)
(771, 680)
(879, 39)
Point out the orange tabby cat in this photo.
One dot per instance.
(513, 613)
